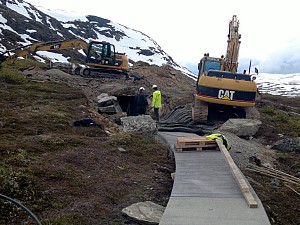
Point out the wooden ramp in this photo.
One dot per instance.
(205, 191)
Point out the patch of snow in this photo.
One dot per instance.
(81, 52)
(49, 22)
(39, 59)
(62, 15)
(279, 84)
(2, 48)
(2, 19)
(54, 57)
(27, 39)
(31, 31)
(59, 34)
(19, 8)
(68, 25)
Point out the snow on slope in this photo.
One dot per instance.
(131, 43)
(279, 84)
(137, 45)
(63, 15)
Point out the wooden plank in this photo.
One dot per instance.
(195, 145)
(194, 141)
(238, 176)
(180, 148)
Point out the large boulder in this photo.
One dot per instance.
(143, 124)
(145, 212)
(287, 145)
(108, 104)
(104, 100)
(111, 109)
(241, 127)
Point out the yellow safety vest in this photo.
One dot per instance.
(219, 137)
(156, 100)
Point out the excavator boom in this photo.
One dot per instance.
(99, 55)
(44, 46)
(233, 45)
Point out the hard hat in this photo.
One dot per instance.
(142, 89)
(154, 86)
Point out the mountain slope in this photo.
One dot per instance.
(21, 24)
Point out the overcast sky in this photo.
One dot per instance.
(187, 29)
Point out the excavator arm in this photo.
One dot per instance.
(233, 45)
(12, 55)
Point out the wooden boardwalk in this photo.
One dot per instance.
(205, 191)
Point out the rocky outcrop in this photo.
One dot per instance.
(241, 127)
(288, 145)
(108, 104)
(143, 124)
(145, 212)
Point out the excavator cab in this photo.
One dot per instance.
(101, 53)
(209, 63)
(102, 56)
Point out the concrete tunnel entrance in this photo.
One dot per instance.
(127, 104)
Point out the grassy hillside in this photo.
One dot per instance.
(66, 174)
(82, 175)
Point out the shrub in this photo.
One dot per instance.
(10, 76)
(9, 71)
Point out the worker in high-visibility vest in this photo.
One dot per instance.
(156, 101)
(219, 137)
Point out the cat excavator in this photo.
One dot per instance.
(220, 89)
(100, 56)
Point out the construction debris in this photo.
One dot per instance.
(275, 174)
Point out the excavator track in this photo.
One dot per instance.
(200, 111)
(99, 73)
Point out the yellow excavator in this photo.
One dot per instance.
(220, 89)
(100, 56)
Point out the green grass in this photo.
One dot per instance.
(9, 71)
(49, 165)
(282, 113)
(34, 118)
(20, 186)
(63, 220)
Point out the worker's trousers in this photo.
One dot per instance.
(156, 113)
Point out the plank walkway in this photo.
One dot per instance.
(205, 191)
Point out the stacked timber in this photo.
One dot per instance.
(194, 144)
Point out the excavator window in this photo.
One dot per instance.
(228, 75)
(101, 53)
(112, 49)
(95, 52)
(212, 65)
(106, 50)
